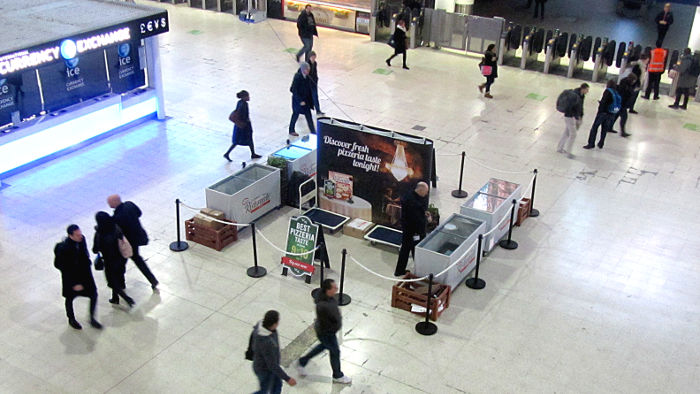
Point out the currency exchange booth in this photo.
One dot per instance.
(72, 72)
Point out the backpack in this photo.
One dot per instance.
(617, 102)
(694, 68)
(566, 100)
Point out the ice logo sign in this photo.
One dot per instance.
(69, 52)
(4, 89)
(124, 49)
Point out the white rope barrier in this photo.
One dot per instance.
(506, 216)
(284, 251)
(448, 154)
(494, 169)
(215, 219)
(386, 277)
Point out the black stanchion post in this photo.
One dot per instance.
(255, 271)
(459, 193)
(476, 283)
(509, 243)
(533, 212)
(427, 327)
(342, 298)
(178, 246)
(314, 292)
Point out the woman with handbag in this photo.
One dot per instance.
(108, 237)
(489, 69)
(398, 42)
(242, 128)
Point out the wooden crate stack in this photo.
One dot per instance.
(202, 230)
(523, 211)
(406, 294)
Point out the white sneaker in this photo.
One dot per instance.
(571, 156)
(301, 370)
(561, 151)
(344, 380)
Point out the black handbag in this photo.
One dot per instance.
(99, 263)
(392, 42)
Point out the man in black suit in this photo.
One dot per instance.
(126, 215)
(413, 221)
(663, 21)
(306, 25)
(73, 260)
(302, 99)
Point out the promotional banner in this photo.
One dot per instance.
(124, 67)
(301, 238)
(364, 171)
(77, 78)
(19, 97)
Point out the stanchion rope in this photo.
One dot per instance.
(284, 251)
(448, 154)
(215, 219)
(506, 216)
(494, 169)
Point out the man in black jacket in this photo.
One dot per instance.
(626, 88)
(328, 323)
(73, 260)
(399, 42)
(302, 99)
(663, 20)
(266, 355)
(572, 119)
(313, 74)
(604, 118)
(126, 215)
(306, 25)
(413, 222)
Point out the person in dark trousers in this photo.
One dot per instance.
(626, 91)
(489, 60)
(413, 223)
(604, 118)
(686, 80)
(243, 135)
(663, 20)
(539, 6)
(306, 25)
(638, 69)
(73, 260)
(657, 65)
(106, 242)
(266, 355)
(313, 74)
(302, 99)
(126, 216)
(400, 44)
(572, 120)
(328, 323)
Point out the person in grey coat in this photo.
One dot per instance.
(266, 355)
(686, 80)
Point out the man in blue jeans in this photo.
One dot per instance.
(328, 323)
(306, 25)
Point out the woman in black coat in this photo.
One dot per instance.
(399, 40)
(107, 236)
(242, 135)
(489, 60)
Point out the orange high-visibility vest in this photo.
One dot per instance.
(658, 61)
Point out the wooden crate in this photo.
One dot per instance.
(406, 294)
(215, 239)
(523, 211)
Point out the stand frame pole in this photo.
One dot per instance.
(476, 283)
(342, 298)
(255, 271)
(427, 327)
(459, 193)
(179, 245)
(509, 243)
(533, 212)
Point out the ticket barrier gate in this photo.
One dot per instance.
(579, 53)
(529, 54)
(600, 66)
(510, 43)
(413, 33)
(555, 51)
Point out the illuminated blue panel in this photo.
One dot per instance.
(51, 141)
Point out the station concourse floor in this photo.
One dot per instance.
(601, 296)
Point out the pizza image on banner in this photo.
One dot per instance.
(301, 238)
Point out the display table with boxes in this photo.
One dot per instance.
(448, 243)
(206, 228)
(491, 204)
(413, 297)
(246, 195)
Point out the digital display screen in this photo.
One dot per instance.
(124, 67)
(73, 80)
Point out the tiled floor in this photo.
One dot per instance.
(601, 296)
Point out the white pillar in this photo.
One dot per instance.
(155, 78)
(694, 40)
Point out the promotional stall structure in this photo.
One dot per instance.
(451, 241)
(491, 204)
(300, 156)
(73, 71)
(349, 15)
(246, 195)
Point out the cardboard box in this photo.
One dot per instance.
(207, 222)
(357, 228)
(213, 213)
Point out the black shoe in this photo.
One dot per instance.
(297, 57)
(398, 274)
(114, 301)
(600, 146)
(406, 68)
(388, 63)
(74, 323)
(227, 158)
(645, 97)
(588, 146)
(613, 131)
(625, 134)
(154, 286)
(255, 156)
(684, 107)
(294, 134)
(656, 98)
(95, 324)
(674, 106)
(313, 132)
(130, 302)
(633, 112)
